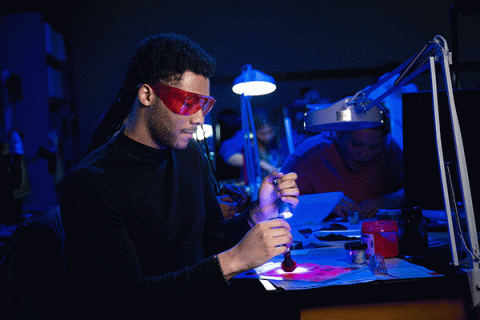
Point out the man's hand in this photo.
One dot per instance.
(369, 208)
(263, 242)
(344, 206)
(275, 186)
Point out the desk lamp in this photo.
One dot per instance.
(251, 82)
(360, 112)
(255, 83)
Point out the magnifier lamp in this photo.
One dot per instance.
(342, 116)
(251, 82)
(360, 112)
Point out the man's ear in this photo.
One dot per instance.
(145, 95)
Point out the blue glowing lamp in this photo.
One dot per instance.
(252, 82)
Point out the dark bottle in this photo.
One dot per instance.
(412, 232)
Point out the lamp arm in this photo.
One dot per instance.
(408, 71)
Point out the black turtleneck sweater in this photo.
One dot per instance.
(139, 223)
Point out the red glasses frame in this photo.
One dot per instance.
(182, 102)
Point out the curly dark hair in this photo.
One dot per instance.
(163, 57)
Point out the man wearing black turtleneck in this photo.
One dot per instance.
(144, 233)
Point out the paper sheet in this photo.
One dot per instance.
(327, 267)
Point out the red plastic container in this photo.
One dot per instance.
(381, 237)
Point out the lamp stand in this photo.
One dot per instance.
(472, 268)
(437, 50)
(251, 154)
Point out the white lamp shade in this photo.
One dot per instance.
(253, 83)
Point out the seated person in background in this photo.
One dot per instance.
(268, 145)
(366, 165)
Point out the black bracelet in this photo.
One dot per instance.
(217, 260)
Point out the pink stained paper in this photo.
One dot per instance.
(308, 272)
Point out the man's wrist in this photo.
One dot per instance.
(217, 260)
(229, 265)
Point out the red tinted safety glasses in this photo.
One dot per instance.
(181, 101)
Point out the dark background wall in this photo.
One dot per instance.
(277, 37)
(335, 47)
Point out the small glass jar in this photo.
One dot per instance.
(412, 232)
(356, 252)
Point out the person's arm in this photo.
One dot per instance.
(238, 159)
(395, 200)
(345, 206)
(267, 167)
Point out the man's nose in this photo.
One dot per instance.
(197, 118)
